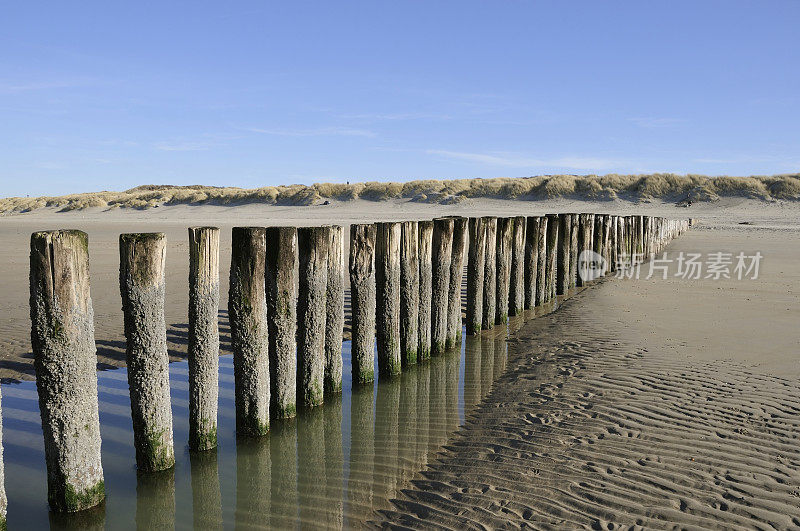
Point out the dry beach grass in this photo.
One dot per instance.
(662, 186)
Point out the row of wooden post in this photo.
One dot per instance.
(286, 312)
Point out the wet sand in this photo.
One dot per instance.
(649, 403)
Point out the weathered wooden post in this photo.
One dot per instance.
(648, 237)
(630, 245)
(362, 295)
(620, 249)
(425, 287)
(456, 277)
(611, 225)
(247, 310)
(516, 293)
(553, 225)
(281, 276)
(334, 311)
(490, 274)
(541, 268)
(442, 253)
(573, 250)
(409, 292)
(585, 243)
(531, 261)
(312, 245)
(564, 243)
(640, 250)
(203, 336)
(475, 271)
(505, 233)
(387, 278)
(608, 244)
(62, 337)
(598, 238)
(142, 260)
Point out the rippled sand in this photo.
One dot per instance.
(656, 403)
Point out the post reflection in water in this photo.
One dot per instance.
(387, 410)
(253, 482)
(283, 453)
(155, 500)
(206, 495)
(472, 372)
(334, 461)
(333, 466)
(359, 481)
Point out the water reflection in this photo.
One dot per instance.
(155, 500)
(206, 495)
(330, 467)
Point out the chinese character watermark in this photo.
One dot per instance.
(690, 266)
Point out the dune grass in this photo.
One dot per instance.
(661, 186)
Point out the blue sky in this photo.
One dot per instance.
(109, 95)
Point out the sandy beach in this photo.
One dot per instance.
(645, 403)
(638, 402)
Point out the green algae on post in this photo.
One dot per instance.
(203, 336)
(142, 286)
(247, 308)
(62, 338)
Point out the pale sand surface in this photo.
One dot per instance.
(650, 402)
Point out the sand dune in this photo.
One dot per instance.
(635, 188)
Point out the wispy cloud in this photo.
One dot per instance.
(520, 161)
(318, 131)
(399, 116)
(654, 123)
(15, 87)
(181, 146)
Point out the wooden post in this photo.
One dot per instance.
(281, 278)
(62, 337)
(362, 294)
(516, 294)
(455, 280)
(490, 274)
(442, 254)
(563, 262)
(425, 287)
(475, 270)
(142, 260)
(505, 234)
(312, 245)
(607, 243)
(203, 336)
(630, 230)
(621, 241)
(531, 261)
(640, 250)
(409, 292)
(598, 238)
(541, 268)
(573, 250)
(553, 224)
(334, 311)
(247, 310)
(387, 278)
(585, 230)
